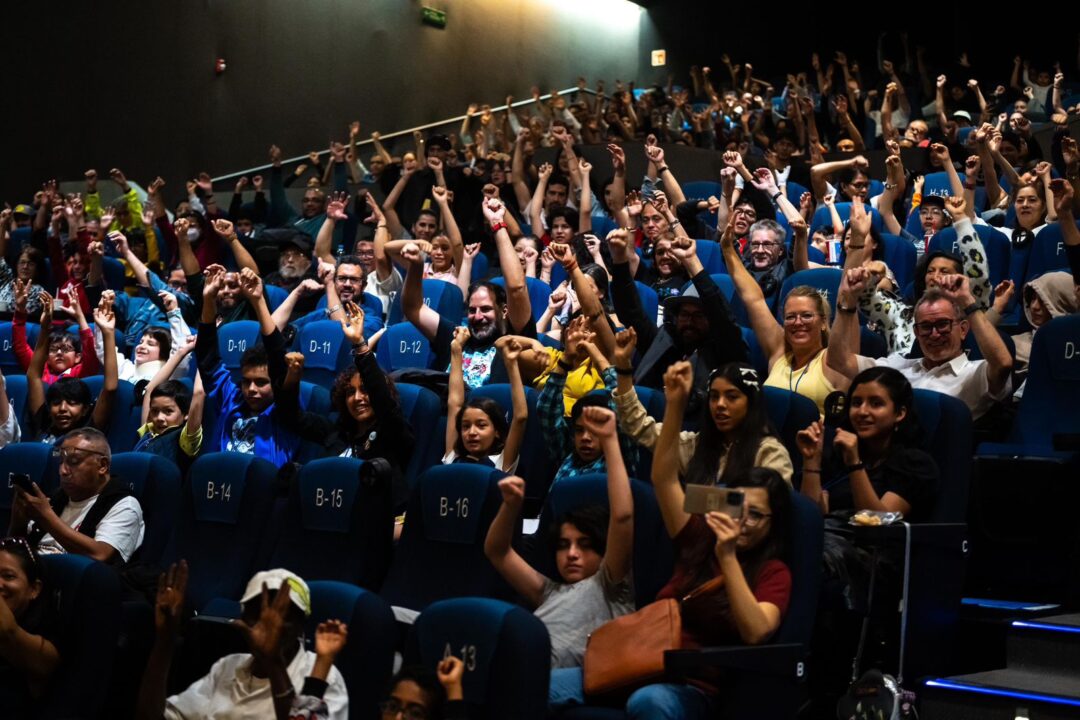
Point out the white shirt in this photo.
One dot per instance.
(961, 378)
(384, 289)
(10, 432)
(122, 527)
(497, 460)
(229, 691)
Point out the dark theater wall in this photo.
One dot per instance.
(133, 84)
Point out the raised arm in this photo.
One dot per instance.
(35, 385)
(999, 361)
(986, 163)
(820, 173)
(498, 547)
(335, 213)
(450, 226)
(841, 355)
(536, 205)
(894, 187)
(655, 153)
(105, 321)
(455, 398)
(769, 333)
(620, 538)
(517, 170)
(756, 621)
(516, 435)
(164, 373)
(389, 205)
(519, 307)
(678, 383)
(590, 303)
(424, 318)
(941, 152)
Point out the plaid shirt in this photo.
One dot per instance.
(558, 435)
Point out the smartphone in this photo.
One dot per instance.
(701, 499)
(21, 481)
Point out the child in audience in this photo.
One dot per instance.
(155, 347)
(67, 403)
(65, 358)
(477, 430)
(172, 415)
(593, 549)
(419, 693)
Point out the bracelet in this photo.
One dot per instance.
(813, 471)
(360, 348)
(970, 186)
(673, 223)
(663, 169)
(778, 194)
(331, 310)
(971, 309)
(498, 226)
(380, 226)
(284, 694)
(856, 247)
(891, 186)
(564, 365)
(856, 467)
(624, 371)
(845, 309)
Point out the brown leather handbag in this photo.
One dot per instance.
(628, 652)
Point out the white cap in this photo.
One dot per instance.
(273, 579)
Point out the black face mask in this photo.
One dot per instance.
(1022, 238)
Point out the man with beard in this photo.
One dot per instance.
(491, 312)
(294, 263)
(698, 324)
(343, 282)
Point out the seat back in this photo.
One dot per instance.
(368, 665)
(946, 427)
(726, 285)
(505, 649)
(126, 416)
(224, 512)
(9, 364)
(755, 354)
(804, 561)
(34, 459)
(441, 551)
(789, 413)
(442, 297)
(535, 465)
(822, 216)
(16, 392)
(539, 292)
(315, 398)
(997, 247)
(708, 252)
(234, 339)
(274, 296)
(421, 408)
(155, 481)
(1052, 394)
(702, 189)
(653, 553)
(794, 192)
(404, 346)
(88, 610)
(1047, 252)
(827, 280)
(326, 352)
(338, 524)
(901, 257)
(650, 301)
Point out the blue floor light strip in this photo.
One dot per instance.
(1046, 626)
(1037, 697)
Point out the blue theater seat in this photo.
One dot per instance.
(326, 352)
(155, 481)
(403, 346)
(442, 297)
(34, 459)
(234, 339)
(539, 292)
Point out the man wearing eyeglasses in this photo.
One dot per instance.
(943, 317)
(91, 514)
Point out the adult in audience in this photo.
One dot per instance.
(943, 317)
(1046, 297)
(381, 277)
(66, 404)
(795, 350)
(748, 553)
(735, 431)
(489, 316)
(246, 419)
(26, 270)
(593, 551)
(294, 263)
(875, 462)
(28, 652)
(698, 324)
(370, 422)
(279, 677)
(90, 514)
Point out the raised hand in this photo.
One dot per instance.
(104, 317)
(599, 421)
(294, 366)
(168, 300)
(461, 337)
(847, 443)
(660, 202)
(956, 205)
(494, 210)
(224, 228)
(411, 253)
(618, 158)
(634, 204)
(941, 80)
(1042, 170)
(764, 181)
(264, 637)
(335, 208)
(655, 155)
(544, 172)
(512, 490)
(811, 440)
(257, 182)
(1063, 197)
(678, 381)
(734, 159)
(251, 286)
(557, 298)
(442, 197)
(562, 253)
(1003, 293)
(169, 603)
(352, 323)
(684, 248)
(625, 344)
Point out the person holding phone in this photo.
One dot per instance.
(748, 553)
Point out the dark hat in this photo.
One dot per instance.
(674, 303)
(439, 140)
(23, 209)
(937, 201)
(300, 241)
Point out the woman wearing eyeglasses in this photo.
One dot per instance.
(796, 348)
(747, 552)
(28, 655)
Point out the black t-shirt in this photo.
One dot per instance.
(908, 472)
(16, 702)
(440, 346)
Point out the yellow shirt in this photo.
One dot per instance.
(809, 380)
(580, 381)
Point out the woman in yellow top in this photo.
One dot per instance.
(796, 349)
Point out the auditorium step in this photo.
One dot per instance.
(1040, 682)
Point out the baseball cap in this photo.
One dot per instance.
(23, 209)
(963, 114)
(273, 579)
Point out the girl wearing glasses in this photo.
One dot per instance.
(418, 694)
(747, 552)
(28, 655)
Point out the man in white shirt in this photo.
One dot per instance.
(263, 685)
(91, 514)
(943, 316)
